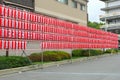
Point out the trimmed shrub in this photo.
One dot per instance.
(63, 54)
(108, 51)
(86, 53)
(77, 53)
(13, 61)
(49, 56)
(95, 52)
(111, 51)
(35, 57)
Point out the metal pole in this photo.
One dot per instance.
(71, 56)
(7, 52)
(89, 52)
(42, 48)
(42, 58)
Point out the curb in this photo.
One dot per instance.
(35, 67)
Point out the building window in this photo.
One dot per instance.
(63, 1)
(74, 4)
(82, 7)
(26, 4)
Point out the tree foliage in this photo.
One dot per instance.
(95, 24)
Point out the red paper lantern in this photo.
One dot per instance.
(33, 27)
(1, 44)
(10, 23)
(19, 14)
(1, 32)
(14, 13)
(25, 35)
(29, 35)
(13, 44)
(10, 45)
(5, 34)
(6, 44)
(19, 25)
(23, 45)
(9, 11)
(2, 10)
(26, 26)
(13, 23)
(16, 24)
(34, 36)
(1, 22)
(5, 22)
(23, 14)
(5, 11)
(19, 34)
(23, 25)
(14, 34)
(19, 44)
(9, 33)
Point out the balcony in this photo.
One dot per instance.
(111, 26)
(110, 7)
(110, 16)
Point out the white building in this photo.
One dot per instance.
(111, 16)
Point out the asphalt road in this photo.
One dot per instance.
(107, 68)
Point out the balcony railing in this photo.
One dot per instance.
(110, 15)
(116, 25)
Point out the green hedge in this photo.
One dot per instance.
(85, 53)
(49, 56)
(13, 61)
(111, 51)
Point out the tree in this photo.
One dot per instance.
(95, 24)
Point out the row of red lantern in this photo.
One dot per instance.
(102, 41)
(68, 45)
(64, 45)
(29, 35)
(7, 11)
(102, 36)
(8, 44)
(54, 37)
(18, 24)
(75, 33)
(100, 32)
(77, 27)
(19, 34)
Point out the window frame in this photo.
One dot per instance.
(63, 1)
(74, 4)
(82, 7)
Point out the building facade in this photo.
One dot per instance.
(69, 10)
(111, 16)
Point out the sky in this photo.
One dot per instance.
(94, 11)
